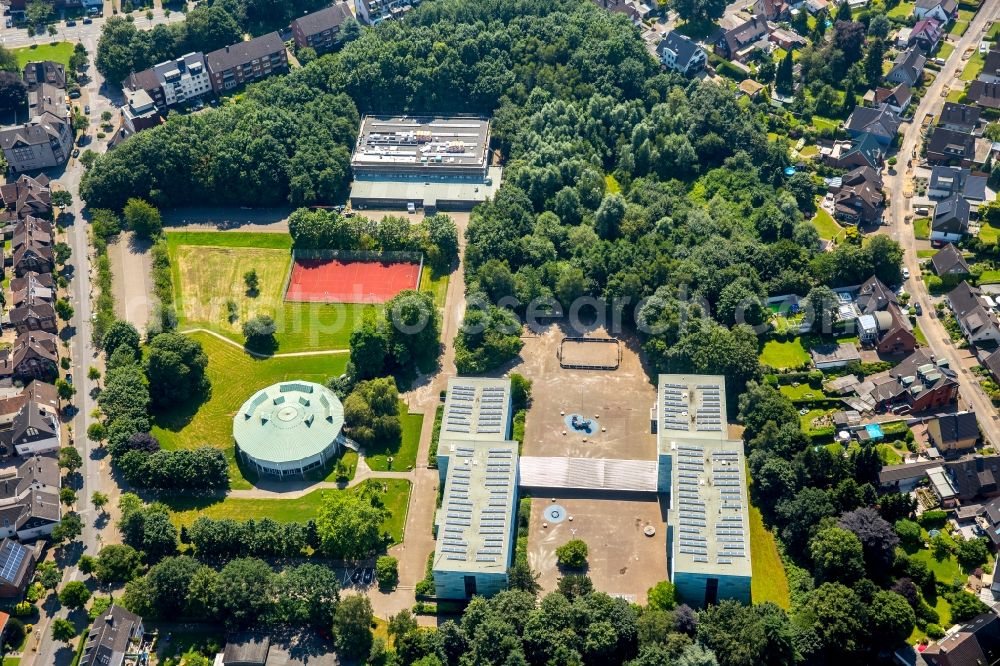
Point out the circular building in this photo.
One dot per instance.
(289, 428)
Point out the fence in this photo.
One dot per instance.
(612, 361)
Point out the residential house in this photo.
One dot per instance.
(138, 113)
(35, 313)
(772, 10)
(951, 147)
(27, 196)
(916, 384)
(249, 61)
(959, 117)
(321, 31)
(17, 564)
(46, 139)
(908, 68)
(681, 53)
(985, 94)
(860, 199)
(896, 99)
(34, 429)
(903, 37)
(882, 123)
(738, 43)
(373, 12)
(29, 498)
(874, 296)
(926, 35)
(13, 398)
(941, 10)
(948, 181)
(171, 82)
(829, 356)
(862, 151)
(991, 66)
(33, 355)
(751, 88)
(113, 636)
(786, 39)
(976, 642)
(893, 332)
(974, 313)
(814, 6)
(950, 222)
(33, 287)
(953, 433)
(38, 72)
(977, 472)
(992, 363)
(32, 247)
(949, 261)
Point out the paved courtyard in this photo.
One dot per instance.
(618, 401)
(623, 560)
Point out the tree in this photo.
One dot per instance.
(387, 572)
(783, 82)
(837, 555)
(699, 10)
(521, 577)
(62, 198)
(308, 594)
(93, 374)
(351, 626)
(13, 92)
(48, 574)
(252, 282)
(836, 616)
(142, 218)
(821, 308)
(78, 62)
(175, 367)
(8, 61)
(662, 596)
(972, 553)
(74, 594)
(63, 309)
(70, 459)
(911, 537)
(244, 590)
(38, 12)
(121, 334)
(874, 58)
(891, 619)
(965, 606)
(349, 525)
(747, 635)
(117, 564)
(67, 495)
(876, 535)
(572, 554)
(879, 26)
(63, 630)
(259, 331)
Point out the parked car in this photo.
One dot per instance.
(88, 21)
(411, 208)
(906, 273)
(75, 94)
(76, 152)
(86, 109)
(70, 23)
(919, 309)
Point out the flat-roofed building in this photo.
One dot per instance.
(478, 465)
(477, 411)
(430, 162)
(475, 526)
(703, 470)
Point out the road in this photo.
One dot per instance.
(938, 340)
(15, 37)
(95, 474)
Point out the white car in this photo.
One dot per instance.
(906, 273)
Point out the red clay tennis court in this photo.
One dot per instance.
(337, 281)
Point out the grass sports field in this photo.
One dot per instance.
(235, 375)
(187, 509)
(208, 269)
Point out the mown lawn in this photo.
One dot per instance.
(989, 234)
(208, 269)
(926, 254)
(235, 376)
(956, 95)
(404, 456)
(902, 10)
(802, 392)
(919, 335)
(994, 32)
(436, 284)
(187, 509)
(974, 67)
(946, 570)
(922, 228)
(958, 28)
(781, 355)
(989, 277)
(945, 50)
(821, 123)
(769, 582)
(826, 226)
(58, 51)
